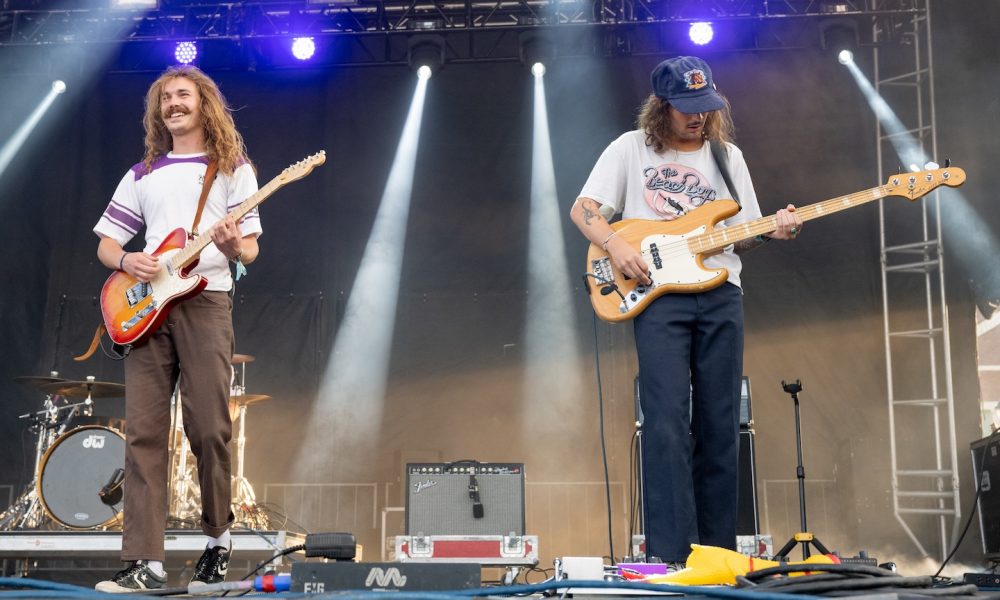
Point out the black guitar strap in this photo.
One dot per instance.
(722, 161)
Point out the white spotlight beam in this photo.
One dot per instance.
(16, 141)
(970, 238)
(552, 371)
(347, 415)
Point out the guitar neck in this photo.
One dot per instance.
(720, 238)
(191, 251)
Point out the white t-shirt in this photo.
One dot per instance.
(639, 183)
(167, 197)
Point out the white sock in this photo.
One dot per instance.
(155, 566)
(224, 540)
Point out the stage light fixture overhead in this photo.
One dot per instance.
(538, 52)
(838, 34)
(134, 4)
(426, 51)
(58, 86)
(845, 56)
(303, 48)
(701, 32)
(186, 52)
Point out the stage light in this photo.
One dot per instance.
(537, 52)
(303, 48)
(134, 4)
(14, 143)
(845, 56)
(552, 376)
(186, 52)
(701, 32)
(425, 51)
(347, 418)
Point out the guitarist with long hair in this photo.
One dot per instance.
(689, 345)
(188, 125)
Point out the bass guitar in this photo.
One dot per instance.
(133, 309)
(674, 249)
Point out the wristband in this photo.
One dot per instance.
(604, 246)
(121, 261)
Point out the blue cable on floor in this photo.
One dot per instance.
(34, 588)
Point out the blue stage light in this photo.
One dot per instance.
(303, 48)
(701, 32)
(186, 52)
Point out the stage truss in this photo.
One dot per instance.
(367, 32)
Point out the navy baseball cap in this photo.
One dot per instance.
(686, 83)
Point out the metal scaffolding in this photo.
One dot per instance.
(925, 481)
(368, 32)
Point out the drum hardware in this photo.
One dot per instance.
(184, 502)
(26, 512)
(79, 475)
(243, 500)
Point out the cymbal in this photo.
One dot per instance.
(82, 389)
(248, 399)
(239, 359)
(37, 381)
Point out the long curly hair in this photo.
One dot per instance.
(223, 143)
(654, 120)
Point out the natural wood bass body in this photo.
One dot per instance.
(673, 250)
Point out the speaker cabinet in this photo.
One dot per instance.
(464, 498)
(986, 467)
(747, 517)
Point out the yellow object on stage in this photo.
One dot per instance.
(710, 565)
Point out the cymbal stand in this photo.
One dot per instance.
(185, 496)
(244, 501)
(26, 511)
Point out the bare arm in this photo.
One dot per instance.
(232, 243)
(586, 213)
(140, 265)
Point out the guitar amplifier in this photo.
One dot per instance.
(464, 498)
(986, 468)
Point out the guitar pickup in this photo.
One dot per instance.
(136, 294)
(654, 251)
(126, 325)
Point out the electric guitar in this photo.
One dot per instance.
(133, 309)
(674, 249)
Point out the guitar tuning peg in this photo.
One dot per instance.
(914, 168)
(947, 163)
(931, 165)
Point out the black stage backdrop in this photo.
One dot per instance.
(455, 383)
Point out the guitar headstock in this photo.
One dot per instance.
(914, 185)
(303, 167)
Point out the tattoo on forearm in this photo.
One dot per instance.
(590, 212)
(748, 244)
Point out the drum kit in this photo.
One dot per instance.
(80, 459)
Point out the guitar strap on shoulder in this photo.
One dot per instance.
(722, 161)
(213, 168)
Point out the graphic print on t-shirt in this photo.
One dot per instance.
(673, 190)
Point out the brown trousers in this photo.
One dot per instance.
(196, 344)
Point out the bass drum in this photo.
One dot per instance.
(73, 471)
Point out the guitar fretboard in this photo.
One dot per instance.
(720, 238)
(191, 251)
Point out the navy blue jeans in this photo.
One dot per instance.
(690, 349)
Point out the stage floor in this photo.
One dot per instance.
(86, 557)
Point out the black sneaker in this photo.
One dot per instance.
(212, 566)
(133, 578)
